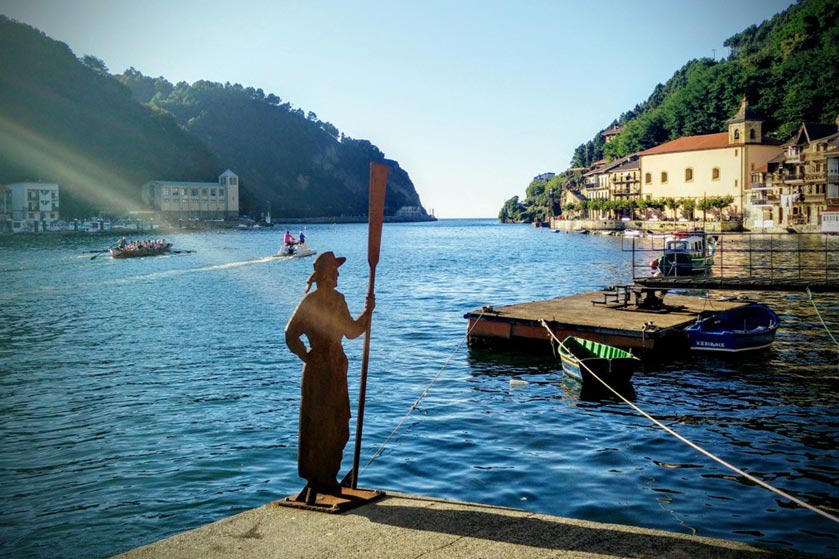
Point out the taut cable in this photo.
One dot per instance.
(698, 448)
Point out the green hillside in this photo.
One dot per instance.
(788, 67)
(100, 137)
(67, 122)
(299, 165)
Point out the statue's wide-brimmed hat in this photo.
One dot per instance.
(323, 263)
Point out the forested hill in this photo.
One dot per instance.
(300, 165)
(67, 120)
(71, 123)
(788, 67)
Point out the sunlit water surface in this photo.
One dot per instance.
(141, 398)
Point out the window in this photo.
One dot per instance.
(752, 134)
(736, 152)
(737, 134)
(664, 177)
(648, 178)
(689, 175)
(715, 174)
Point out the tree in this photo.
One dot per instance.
(95, 64)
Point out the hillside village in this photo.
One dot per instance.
(738, 178)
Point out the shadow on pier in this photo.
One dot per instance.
(496, 531)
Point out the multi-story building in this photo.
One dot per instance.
(803, 183)
(614, 180)
(195, 200)
(709, 165)
(625, 178)
(31, 206)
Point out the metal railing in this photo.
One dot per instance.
(779, 261)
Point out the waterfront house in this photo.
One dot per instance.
(624, 178)
(803, 184)
(709, 165)
(30, 206)
(194, 200)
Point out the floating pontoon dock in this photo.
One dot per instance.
(623, 316)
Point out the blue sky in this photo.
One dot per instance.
(472, 98)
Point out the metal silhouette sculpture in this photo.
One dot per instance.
(325, 320)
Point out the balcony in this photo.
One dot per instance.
(626, 191)
(765, 199)
(819, 176)
(832, 177)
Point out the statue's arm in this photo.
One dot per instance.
(293, 334)
(359, 325)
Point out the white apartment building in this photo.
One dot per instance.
(195, 200)
(31, 206)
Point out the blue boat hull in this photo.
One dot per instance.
(746, 328)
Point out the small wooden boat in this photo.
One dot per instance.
(581, 357)
(745, 328)
(129, 251)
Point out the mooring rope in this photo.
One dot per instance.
(381, 448)
(698, 448)
(810, 295)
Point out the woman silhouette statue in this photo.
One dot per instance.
(324, 318)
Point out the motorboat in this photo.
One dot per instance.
(744, 328)
(686, 252)
(295, 250)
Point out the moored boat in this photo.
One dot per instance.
(686, 252)
(745, 328)
(581, 357)
(137, 249)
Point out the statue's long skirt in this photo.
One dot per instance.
(324, 417)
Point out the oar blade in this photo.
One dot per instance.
(378, 187)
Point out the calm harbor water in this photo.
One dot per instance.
(141, 398)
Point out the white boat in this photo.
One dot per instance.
(686, 252)
(295, 250)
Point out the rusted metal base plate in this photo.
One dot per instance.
(348, 499)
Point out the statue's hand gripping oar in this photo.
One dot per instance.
(378, 184)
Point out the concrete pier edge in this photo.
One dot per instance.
(401, 526)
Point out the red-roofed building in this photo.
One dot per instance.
(709, 165)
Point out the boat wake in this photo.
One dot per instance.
(164, 274)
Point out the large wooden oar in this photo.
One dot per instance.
(378, 184)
